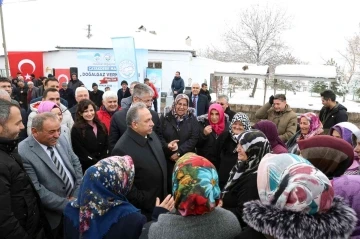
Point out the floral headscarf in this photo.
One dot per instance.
(290, 182)
(173, 108)
(316, 126)
(256, 146)
(220, 126)
(244, 119)
(102, 196)
(195, 185)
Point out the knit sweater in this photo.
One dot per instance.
(219, 224)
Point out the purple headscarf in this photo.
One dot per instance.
(270, 131)
(46, 106)
(345, 133)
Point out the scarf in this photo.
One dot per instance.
(329, 154)
(46, 106)
(220, 125)
(256, 146)
(101, 200)
(244, 119)
(180, 118)
(270, 131)
(290, 182)
(195, 185)
(315, 127)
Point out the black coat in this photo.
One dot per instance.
(329, 118)
(69, 96)
(150, 169)
(202, 104)
(206, 93)
(118, 126)
(88, 147)
(230, 113)
(122, 95)
(187, 132)
(96, 97)
(21, 213)
(226, 157)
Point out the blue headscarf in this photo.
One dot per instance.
(101, 201)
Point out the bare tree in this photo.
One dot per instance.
(257, 36)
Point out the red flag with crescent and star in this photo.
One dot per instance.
(26, 63)
(63, 75)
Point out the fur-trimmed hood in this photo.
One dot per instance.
(337, 223)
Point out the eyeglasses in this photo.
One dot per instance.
(147, 101)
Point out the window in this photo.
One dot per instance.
(155, 65)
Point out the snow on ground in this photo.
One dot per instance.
(300, 100)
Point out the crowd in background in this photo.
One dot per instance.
(76, 163)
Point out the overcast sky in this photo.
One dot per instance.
(319, 27)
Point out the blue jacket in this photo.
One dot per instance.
(178, 85)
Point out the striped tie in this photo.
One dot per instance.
(62, 172)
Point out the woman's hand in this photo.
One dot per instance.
(168, 203)
(207, 130)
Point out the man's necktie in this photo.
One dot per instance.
(194, 102)
(61, 170)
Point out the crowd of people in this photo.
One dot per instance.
(76, 164)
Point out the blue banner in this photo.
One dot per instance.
(142, 62)
(125, 58)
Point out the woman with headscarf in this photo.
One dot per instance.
(241, 186)
(296, 201)
(178, 123)
(345, 131)
(310, 125)
(270, 131)
(101, 209)
(211, 126)
(225, 156)
(196, 193)
(49, 106)
(333, 156)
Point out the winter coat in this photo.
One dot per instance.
(67, 119)
(187, 132)
(96, 97)
(336, 115)
(206, 93)
(337, 223)
(90, 148)
(21, 213)
(178, 85)
(122, 95)
(73, 84)
(105, 117)
(230, 113)
(286, 121)
(69, 96)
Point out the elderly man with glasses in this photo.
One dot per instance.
(223, 100)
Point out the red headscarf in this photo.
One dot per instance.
(219, 126)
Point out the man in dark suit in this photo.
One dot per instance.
(197, 101)
(142, 93)
(144, 147)
(53, 167)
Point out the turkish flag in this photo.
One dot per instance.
(63, 75)
(27, 63)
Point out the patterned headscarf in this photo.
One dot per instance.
(270, 131)
(290, 182)
(329, 154)
(219, 126)
(244, 119)
(173, 108)
(316, 126)
(256, 146)
(102, 196)
(195, 185)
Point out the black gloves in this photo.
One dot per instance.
(271, 100)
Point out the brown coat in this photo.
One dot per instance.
(286, 121)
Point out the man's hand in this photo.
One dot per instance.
(173, 146)
(175, 92)
(220, 204)
(168, 203)
(207, 130)
(174, 157)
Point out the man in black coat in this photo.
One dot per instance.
(177, 84)
(144, 147)
(142, 93)
(67, 94)
(204, 91)
(223, 100)
(332, 112)
(124, 91)
(198, 101)
(96, 95)
(21, 213)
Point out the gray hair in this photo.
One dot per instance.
(142, 89)
(30, 83)
(39, 119)
(195, 83)
(80, 88)
(109, 94)
(4, 95)
(134, 83)
(5, 107)
(224, 97)
(133, 113)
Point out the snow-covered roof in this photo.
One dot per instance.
(237, 69)
(305, 72)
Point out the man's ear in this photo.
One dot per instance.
(134, 124)
(33, 131)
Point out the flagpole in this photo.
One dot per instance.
(4, 42)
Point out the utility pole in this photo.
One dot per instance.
(89, 35)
